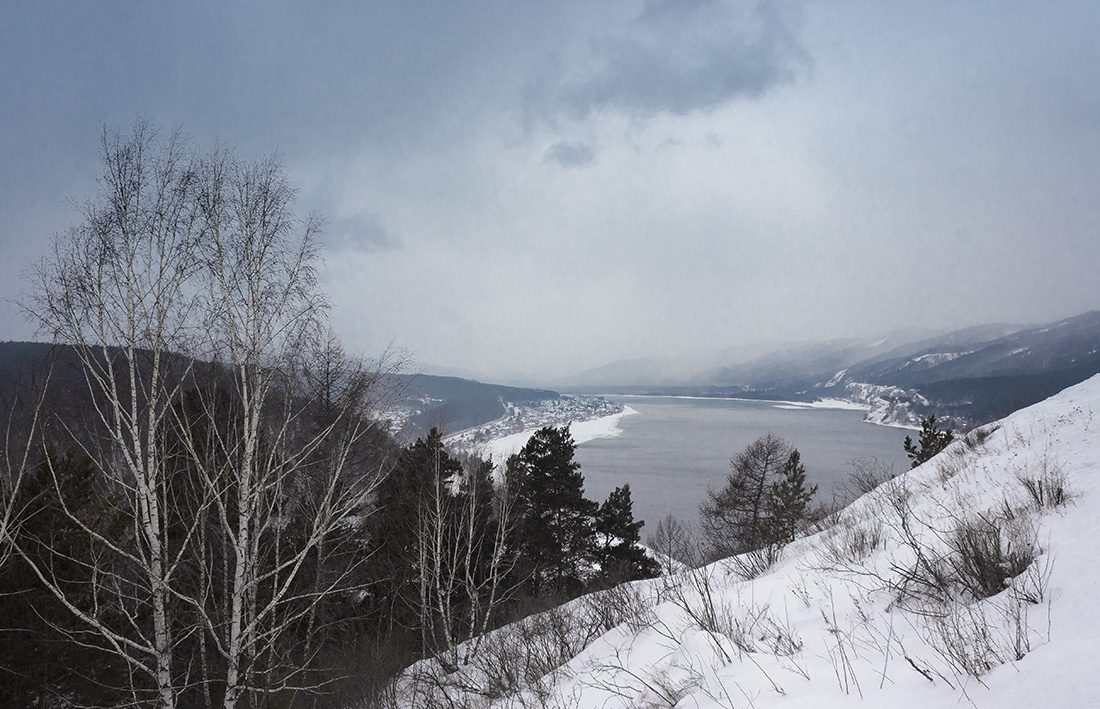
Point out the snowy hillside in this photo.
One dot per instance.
(973, 580)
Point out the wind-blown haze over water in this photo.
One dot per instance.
(673, 448)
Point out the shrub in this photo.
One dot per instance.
(977, 438)
(988, 554)
(1047, 488)
(867, 474)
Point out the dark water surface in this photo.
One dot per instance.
(673, 448)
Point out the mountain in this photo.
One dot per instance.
(423, 400)
(970, 379)
(968, 580)
(967, 377)
(453, 404)
(661, 371)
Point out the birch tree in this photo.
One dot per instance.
(189, 292)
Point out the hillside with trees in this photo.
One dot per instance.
(962, 580)
(202, 504)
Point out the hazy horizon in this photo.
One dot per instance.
(531, 190)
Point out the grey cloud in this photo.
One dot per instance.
(361, 232)
(571, 154)
(679, 57)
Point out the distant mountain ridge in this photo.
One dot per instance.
(452, 403)
(967, 376)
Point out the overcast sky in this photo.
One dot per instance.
(536, 188)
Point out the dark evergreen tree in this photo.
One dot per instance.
(554, 538)
(402, 503)
(931, 441)
(620, 556)
(787, 501)
(47, 656)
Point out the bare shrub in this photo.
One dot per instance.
(850, 543)
(516, 657)
(823, 515)
(675, 543)
(626, 603)
(754, 563)
(988, 553)
(1047, 487)
(519, 659)
(1031, 586)
(698, 593)
(977, 438)
(926, 576)
(982, 556)
(648, 688)
(866, 475)
(951, 463)
(964, 636)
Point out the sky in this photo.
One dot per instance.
(525, 190)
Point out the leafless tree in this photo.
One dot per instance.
(231, 430)
(730, 517)
(463, 559)
(21, 428)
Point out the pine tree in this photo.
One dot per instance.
(554, 538)
(930, 441)
(46, 653)
(619, 555)
(787, 501)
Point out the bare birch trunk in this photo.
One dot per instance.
(182, 261)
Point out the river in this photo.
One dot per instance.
(673, 448)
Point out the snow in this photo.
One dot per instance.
(841, 404)
(826, 626)
(500, 449)
(837, 378)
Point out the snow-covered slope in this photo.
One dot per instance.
(953, 583)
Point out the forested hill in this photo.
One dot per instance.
(454, 404)
(449, 402)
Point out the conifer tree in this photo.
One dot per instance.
(403, 502)
(731, 516)
(930, 441)
(554, 537)
(620, 557)
(787, 501)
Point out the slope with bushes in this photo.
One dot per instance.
(970, 579)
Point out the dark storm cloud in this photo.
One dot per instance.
(678, 57)
(571, 154)
(739, 170)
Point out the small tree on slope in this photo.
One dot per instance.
(620, 556)
(787, 501)
(930, 442)
(731, 517)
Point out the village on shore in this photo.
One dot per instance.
(533, 416)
